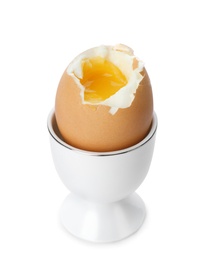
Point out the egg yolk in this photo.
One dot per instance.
(101, 79)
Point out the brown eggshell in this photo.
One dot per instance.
(93, 128)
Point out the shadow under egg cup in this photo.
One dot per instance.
(102, 205)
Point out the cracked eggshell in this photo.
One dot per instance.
(122, 57)
(92, 127)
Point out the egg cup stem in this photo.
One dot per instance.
(102, 222)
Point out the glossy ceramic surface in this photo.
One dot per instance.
(102, 207)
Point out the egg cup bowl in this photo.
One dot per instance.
(102, 205)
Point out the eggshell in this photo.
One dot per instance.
(93, 128)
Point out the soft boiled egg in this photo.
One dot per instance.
(104, 100)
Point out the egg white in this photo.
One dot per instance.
(122, 57)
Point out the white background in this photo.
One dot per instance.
(37, 41)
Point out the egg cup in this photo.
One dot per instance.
(102, 205)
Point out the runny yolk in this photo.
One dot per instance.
(101, 79)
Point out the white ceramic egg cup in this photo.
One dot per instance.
(102, 205)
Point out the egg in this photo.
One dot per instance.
(104, 100)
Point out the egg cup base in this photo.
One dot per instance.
(102, 222)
